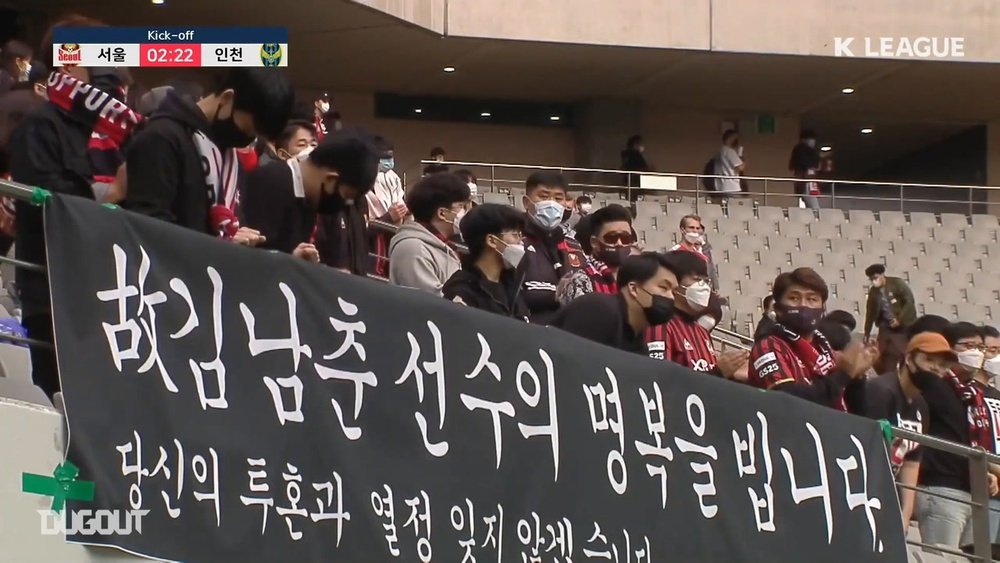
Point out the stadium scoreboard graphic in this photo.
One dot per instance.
(170, 46)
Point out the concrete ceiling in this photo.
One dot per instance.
(340, 46)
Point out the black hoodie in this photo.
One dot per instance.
(165, 175)
(503, 298)
(549, 257)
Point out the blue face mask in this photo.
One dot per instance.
(386, 164)
(549, 213)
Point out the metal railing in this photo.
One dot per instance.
(838, 193)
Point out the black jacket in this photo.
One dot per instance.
(165, 175)
(48, 149)
(602, 318)
(503, 298)
(270, 205)
(549, 257)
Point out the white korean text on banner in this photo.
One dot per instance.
(265, 409)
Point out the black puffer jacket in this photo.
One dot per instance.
(503, 298)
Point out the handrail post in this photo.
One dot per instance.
(979, 469)
(765, 191)
(901, 206)
(697, 193)
(970, 201)
(493, 177)
(833, 195)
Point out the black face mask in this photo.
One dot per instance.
(800, 320)
(615, 256)
(660, 310)
(226, 135)
(331, 203)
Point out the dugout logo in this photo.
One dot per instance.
(70, 53)
(271, 54)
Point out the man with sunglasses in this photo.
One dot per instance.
(608, 239)
(683, 340)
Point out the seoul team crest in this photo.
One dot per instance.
(271, 54)
(70, 53)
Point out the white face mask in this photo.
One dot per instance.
(707, 323)
(972, 359)
(586, 207)
(305, 153)
(324, 107)
(473, 189)
(811, 142)
(992, 367)
(512, 255)
(458, 220)
(698, 294)
(549, 213)
(692, 238)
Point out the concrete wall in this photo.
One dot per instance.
(805, 27)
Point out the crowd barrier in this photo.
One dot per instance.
(766, 190)
(978, 458)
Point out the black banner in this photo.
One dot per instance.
(266, 409)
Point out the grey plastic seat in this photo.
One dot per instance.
(800, 215)
(810, 244)
(899, 263)
(732, 226)
(741, 212)
(964, 265)
(741, 256)
(770, 213)
(932, 263)
(641, 223)
(873, 249)
(973, 312)
(917, 233)
(939, 248)
(893, 218)
(678, 209)
(763, 273)
(886, 232)
(845, 246)
(943, 309)
(793, 229)
(988, 266)
(710, 211)
(658, 241)
(502, 199)
(861, 216)
(954, 221)
(907, 247)
(980, 235)
(834, 216)
(856, 231)
(648, 209)
(923, 219)
(985, 221)
(826, 230)
(762, 228)
(982, 295)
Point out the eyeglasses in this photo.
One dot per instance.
(620, 239)
(962, 346)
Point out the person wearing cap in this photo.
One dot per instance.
(892, 308)
(957, 413)
(893, 396)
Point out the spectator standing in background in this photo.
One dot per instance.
(894, 396)
(385, 203)
(798, 359)
(489, 278)
(550, 255)
(729, 163)
(607, 238)
(469, 178)
(683, 340)
(165, 159)
(958, 413)
(15, 63)
(437, 153)
(283, 198)
(634, 160)
(766, 323)
(892, 309)
(421, 254)
(585, 205)
(804, 163)
(321, 107)
(645, 299)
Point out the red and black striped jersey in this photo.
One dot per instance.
(682, 341)
(773, 362)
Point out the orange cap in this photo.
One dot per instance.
(929, 343)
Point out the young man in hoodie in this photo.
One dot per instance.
(282, 199)
(167, 177)
(550, 255)
(421, 254)
(489, 279)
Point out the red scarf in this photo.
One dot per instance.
(979, 416)
(817, 356)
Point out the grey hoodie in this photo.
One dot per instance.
(419, 259)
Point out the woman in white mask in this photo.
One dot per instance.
(489, 279)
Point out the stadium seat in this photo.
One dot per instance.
(740, 212)
(974, 312)
(923, 219)
(761, 228)
(828, 230)
(942, 309)
(793, 229)
(892, 218)
(875, 248)
(861, 216)
(658, 241)
(832, 216)
(982, 295)
(954, 221)
(648, 209)
(916, 233)
(985, 221)
(856, 230)
(776, 243)
(502, 199)
(907, 247)
(710, 211)
(800, 215)
(748, 243)
(845, 246)
(762, 273)
(733, 227)
(768, 213)
(886, 232)
(979, 235)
